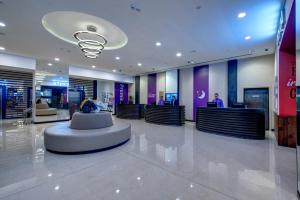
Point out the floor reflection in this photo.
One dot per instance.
(187, 163)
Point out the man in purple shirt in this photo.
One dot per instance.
(161, 101)
(218, 101)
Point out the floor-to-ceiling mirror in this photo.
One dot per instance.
(51, 92)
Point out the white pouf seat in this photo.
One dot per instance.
(84, 134)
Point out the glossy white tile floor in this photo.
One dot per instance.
(159, 162)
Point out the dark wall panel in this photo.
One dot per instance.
(137, 89)
(94, 89)
(232, 82)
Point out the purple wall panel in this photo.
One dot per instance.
(151, 88)
(121, 93)
(200, 88)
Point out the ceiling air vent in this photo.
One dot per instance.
(91, 28)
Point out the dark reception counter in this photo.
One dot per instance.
(130, 111)
(166, 115)
(243, 123)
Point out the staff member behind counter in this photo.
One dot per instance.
(174, 101)
(161, 101)
(218, 101)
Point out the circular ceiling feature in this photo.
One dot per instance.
(64, 24)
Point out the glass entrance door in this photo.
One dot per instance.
(258, 98)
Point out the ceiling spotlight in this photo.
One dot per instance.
(93, 66)
(158, 44)
(2, 24)
(49, 64)
(114, 70)
(2, 48)
(117, 58)
(178, 54)
(139, 64)
(57, 59)
(56, 187)
(248, 37)
(242, 15)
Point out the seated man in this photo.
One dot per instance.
(218, 101)
(161, 101)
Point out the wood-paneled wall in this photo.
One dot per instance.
(285, 130)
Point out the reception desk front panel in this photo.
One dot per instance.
(167, 115)
(243, 123)
(130, 111)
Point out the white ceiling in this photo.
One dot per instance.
(202, 30)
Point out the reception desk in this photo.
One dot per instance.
(166, 115)
(130, 111)
(243, 123)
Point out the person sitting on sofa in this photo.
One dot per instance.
(38, 101)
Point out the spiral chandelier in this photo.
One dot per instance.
(90, 42)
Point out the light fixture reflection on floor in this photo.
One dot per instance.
(90, 42)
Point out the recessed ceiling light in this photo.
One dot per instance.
(93, 66)
(158, 44)
(117, 58)
(242, 15)
(248, 37)
(178, 54)
(57, 59)
(49, 64)
(114, 70)
(139, 64)
(2, 48)
(2, 24)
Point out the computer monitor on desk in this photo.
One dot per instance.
(211, 104)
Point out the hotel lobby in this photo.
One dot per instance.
(100, 101)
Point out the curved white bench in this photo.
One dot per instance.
(84, 121)
(63, 139)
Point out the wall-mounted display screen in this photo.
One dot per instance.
(46, 93)
(169, 96)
